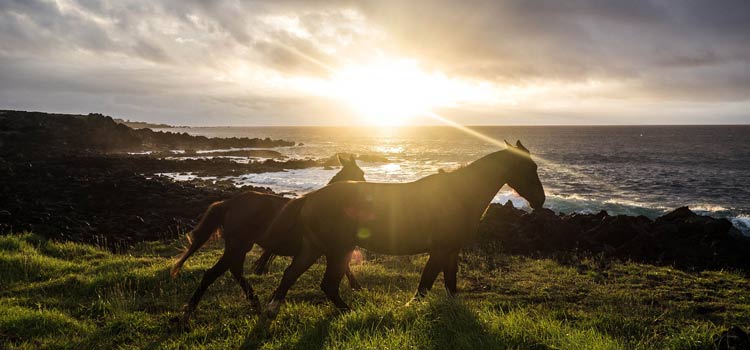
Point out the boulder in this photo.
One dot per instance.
(734, 338)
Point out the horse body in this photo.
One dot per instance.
(435, 215)
(396, 219)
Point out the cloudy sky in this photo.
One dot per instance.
(195, 62)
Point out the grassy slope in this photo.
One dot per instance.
(66, 295)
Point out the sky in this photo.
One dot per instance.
(286, 62)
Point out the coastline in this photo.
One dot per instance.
(82, 194)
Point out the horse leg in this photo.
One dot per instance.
(434, 264)
(450, 269)
(300, 263)
(209, 277)
(336, 266)
(238, 269)
(353, 284)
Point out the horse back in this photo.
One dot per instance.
(389, 218)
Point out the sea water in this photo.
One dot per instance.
(634, 170)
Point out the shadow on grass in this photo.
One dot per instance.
(258, 335)
(453, 325)
(313, 338)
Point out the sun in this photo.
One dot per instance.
(391, 92)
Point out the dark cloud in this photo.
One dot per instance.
(129, 52)
(571, 40)
(39, 27)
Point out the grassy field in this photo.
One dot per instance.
(75, 296)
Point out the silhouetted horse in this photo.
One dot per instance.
(436, 215)
(243, 220)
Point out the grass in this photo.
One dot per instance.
(73, 296)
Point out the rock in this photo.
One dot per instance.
(733, 338)
(617, 230)
(679, 214)
(681, 237)
(36, 133)
(98, 199)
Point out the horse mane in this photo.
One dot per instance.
(480, 161)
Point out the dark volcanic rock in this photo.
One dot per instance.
(680, 237)
(35, 132)
(733, 338)
(92, 199)
(62, 176)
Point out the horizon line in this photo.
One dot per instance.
(371, 125)
(428, 125)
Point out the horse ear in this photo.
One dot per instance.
(507, 144)
(353, 159)
(521, 147)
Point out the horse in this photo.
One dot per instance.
(436, 214)
(243, 220)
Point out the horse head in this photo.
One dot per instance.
(524, 178)
(350, 171)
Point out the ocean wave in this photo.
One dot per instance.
(503, 197)
(181, 176)
(709, 208)
(742, 223)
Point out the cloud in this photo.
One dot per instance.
(516, 41)
(230, 59)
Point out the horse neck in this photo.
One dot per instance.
(480, 181)
(337, 178)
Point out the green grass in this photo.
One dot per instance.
(74, 296)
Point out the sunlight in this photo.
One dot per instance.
(386, 93)
(390, 92)
(537, 158)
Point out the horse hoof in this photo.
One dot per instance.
(413, 301)
(255, 306)
(345, 309)
(273, 308)
(181, 322)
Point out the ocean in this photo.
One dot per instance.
(634, 170)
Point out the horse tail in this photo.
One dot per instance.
(260, 266)
(208, 225)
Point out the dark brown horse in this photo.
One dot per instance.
(436, 215)
(243, 220)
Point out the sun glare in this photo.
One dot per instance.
(393, 92)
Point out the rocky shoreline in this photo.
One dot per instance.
(87, 192)
(102, 199)
(87, 199)
(36, 133)
(681, 237)
(70, 177)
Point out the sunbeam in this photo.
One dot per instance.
(545, 162)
